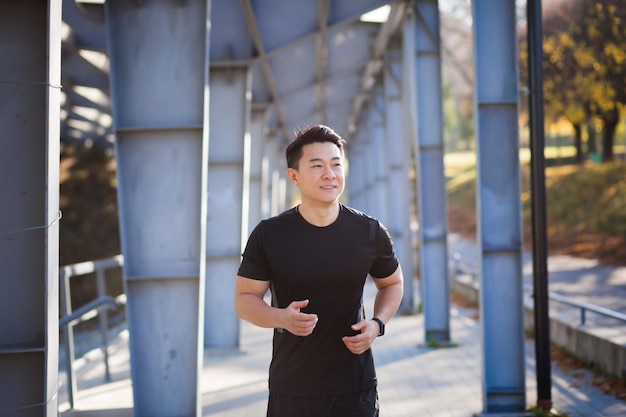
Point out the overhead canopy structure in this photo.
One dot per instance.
(318, 66)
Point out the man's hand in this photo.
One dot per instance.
(363, 341)
(296, 322)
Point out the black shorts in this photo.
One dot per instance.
(358, 404)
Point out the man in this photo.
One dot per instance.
(315, 259)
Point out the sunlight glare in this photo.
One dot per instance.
(379, 15)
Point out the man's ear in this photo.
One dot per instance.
(292, 174)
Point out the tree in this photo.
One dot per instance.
(89, 228)
(458, 74)
(584, 65)
(605, 23)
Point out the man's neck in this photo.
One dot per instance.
(319, 216)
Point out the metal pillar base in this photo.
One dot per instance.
(439, 338)
(517, 414)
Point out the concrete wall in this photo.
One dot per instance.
(600, 348)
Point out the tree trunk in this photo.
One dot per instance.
(591, 138)
(578, 142)
(611, 120)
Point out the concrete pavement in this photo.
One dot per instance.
(414, 380)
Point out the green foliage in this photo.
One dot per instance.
(540, 412)
(588, 198)
(89, 227)
(435, 344)
(591, 198)
(458, 119)
(583, 65)
(462, 189)
(88, 200)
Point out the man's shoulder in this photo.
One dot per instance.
(359, 215)
(286, 216)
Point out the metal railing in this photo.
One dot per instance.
(95, 308)
(584, 307)
(465, 268)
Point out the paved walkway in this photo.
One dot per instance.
(413, 380)
(576, 278)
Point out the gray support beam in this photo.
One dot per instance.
(499, 207)
(159, 78)
(258, 121)
(367, 145)
(283, 189)
(286, 192)
(272, 155)
(355, 180)
(30, 77)
(358, 174)
(433, 215)
(229, 158)
(398, 160)
(270, 170)
(379, 166)
(350, 195)
(409, 114)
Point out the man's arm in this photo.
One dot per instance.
(388, 299)
(250, 306)
(389, 295)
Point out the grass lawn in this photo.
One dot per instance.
(585, 204)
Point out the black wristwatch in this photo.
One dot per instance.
(381, 324)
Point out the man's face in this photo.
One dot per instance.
(320, 173)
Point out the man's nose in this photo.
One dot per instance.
(329, 173)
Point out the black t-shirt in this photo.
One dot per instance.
(328, 266)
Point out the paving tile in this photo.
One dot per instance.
(414, 380)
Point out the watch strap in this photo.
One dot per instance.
(381, 325)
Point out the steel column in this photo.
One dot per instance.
(433, 214)
(265, 180)
(271, 155)
(30, 77)
(258, 122)
(285, 190)
(499, 207)
(369, 185)
(355, 178)
(229, 158)
(359, 167)
(409, 115)
(378, 133)
(278, 172)
(159, 78)
(398, 159)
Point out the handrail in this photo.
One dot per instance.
(587, 307)
(92, 309)
(84, 312)
(472, 270)
(83, 268)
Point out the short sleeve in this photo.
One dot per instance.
(254, 262)
(386, 261)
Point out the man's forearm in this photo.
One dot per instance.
(388, 301)
(255, 310)
(252, 308)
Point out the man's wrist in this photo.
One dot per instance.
(381, 325)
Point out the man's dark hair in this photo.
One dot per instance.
(308, 135)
